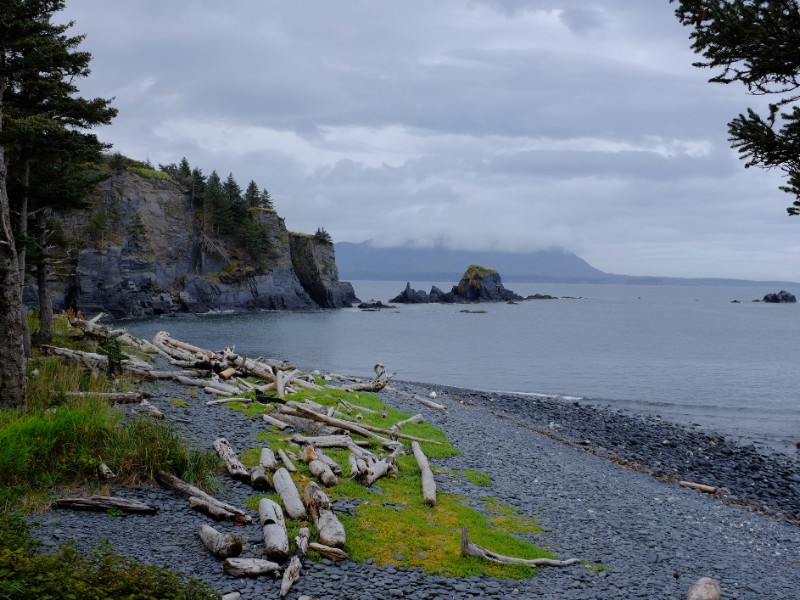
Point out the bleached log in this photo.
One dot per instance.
(249, 567)
(276, 538)
(276, 422)
(221, 545)
(232, 463)
(334, 466)
(430, 403)
(204, 383)
(191, 348)
(232, 596)
(189, 490)
(287, 490)
(116, 397)
(154, 412)
(228, 401)
(428, 483)
(397, 434)
(170, 374)
(328, 551)
(104, 472)
(302, 423)
(174, 354)
(326, 441)
(100, 503)
(375, 469)
(331, 530)
(214, 511)
(261, 369)
(217, 392)
(94, 361)
(320, 469)
(259, 479)
(292, 572)
(471, 549)
(227, 373)
(295, 408)
(356, 408)
(708, 489)
(396, 427)
(267, 459)
(287, 462)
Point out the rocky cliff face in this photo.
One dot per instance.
(315, 265)
(141, 251)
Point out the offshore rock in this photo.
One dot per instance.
(478, 284)
(779, 298)
(142, 250)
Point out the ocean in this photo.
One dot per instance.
(687, 354)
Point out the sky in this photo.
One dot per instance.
(513, 125)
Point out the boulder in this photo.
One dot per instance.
(704, 588)
(780, 298)
(409, 296)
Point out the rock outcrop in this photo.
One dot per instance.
(142, 250)
(780, 297)
(478, 284)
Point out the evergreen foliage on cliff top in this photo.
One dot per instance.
(476, 272)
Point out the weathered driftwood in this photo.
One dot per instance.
(335, 467)
(471, 549)
(104, 472)
(320, 469)
(204, 383)
(287, 462)
(101, 503)
(232, 596)
(430, 403)
(152, 410)
(227, 373)
(267, 459)
(94, 361)
(297, 409)
(276, 539)
(259, 479)
(328, 551)
(232, 463)
(190, 491)
(276, 422)
(292, 572)
(217, 392)
(377, 384)
(397, 434)
(221, 545)
(227, 400)
(428, 483)
(331, 530)
(302, 423)
(414, 419)
(287, 490)
(248, 366)
(708, 489)
(214, 511)
(373, 469)
(93, 329)
(249, 567)
(190, 348)
(356, 408)
(116, 397)
(704, 588)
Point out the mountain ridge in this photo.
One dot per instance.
(364, 261)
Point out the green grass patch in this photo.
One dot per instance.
(478, 478)
(180, 402)
(151, 173)
(507, 518)
(27, 574)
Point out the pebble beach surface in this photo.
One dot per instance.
(602, 484)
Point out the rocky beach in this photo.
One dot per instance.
(601, 483)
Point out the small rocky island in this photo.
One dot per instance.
(478, 284)
(780, 298)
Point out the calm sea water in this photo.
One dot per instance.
(685, 353)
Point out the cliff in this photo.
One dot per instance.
(142, 250)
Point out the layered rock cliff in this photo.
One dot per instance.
(142, 249)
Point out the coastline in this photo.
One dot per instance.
(647, 537)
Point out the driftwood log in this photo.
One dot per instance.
(297, 409)
(415, 419)
(428, 483)
(276, 539)
(151, 410)
(267, 459)
(287, 462)
(377, 384)
(116, 397)
(328, 551)
(708, 489)
(326, 441)
(292, 572)
(259, 479)
(276, 422)
(249, 567)
(180, 486)
(104, 472)
(319, 468)
(430, 403)
(101, 503)
(331, 530)
(232, 463)
(369, 469)
(221, 545)
(471, 549)
(287, 490)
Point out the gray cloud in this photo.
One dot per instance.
(473, 123)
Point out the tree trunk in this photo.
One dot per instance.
(45, 333)
(12, 348)
(470, 549)
(292, 572)
(276, 538)
(101, 503)
(232, 463)
(428, 483)
(23, 250)
(331, 530)
(328, 551)
(287, 490)
(191, 491)
(249, 567)
(221, 545)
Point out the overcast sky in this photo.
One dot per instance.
(474, 124)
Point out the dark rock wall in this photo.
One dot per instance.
(315, 265)
(137, 252)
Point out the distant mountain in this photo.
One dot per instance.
(364, 261)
